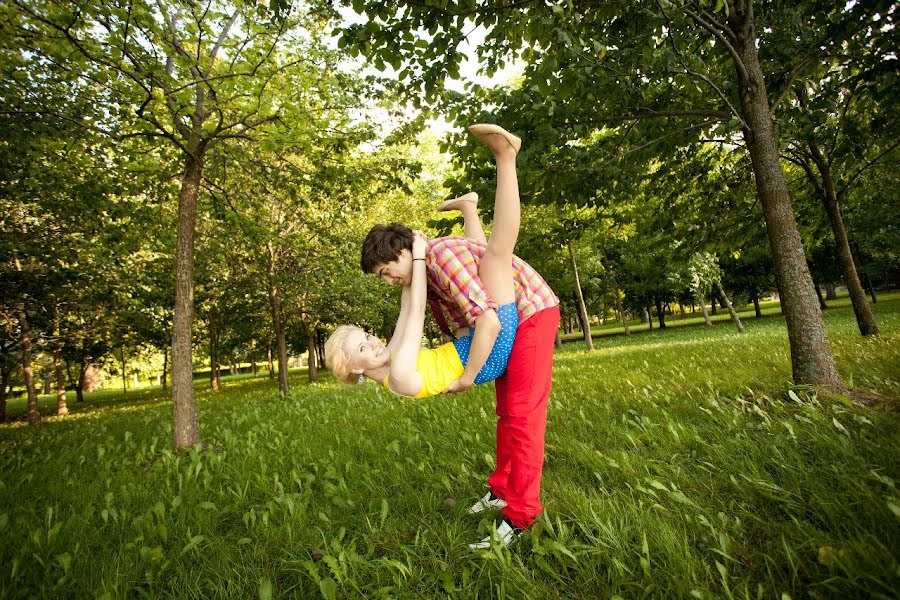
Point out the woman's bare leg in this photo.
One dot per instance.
(495, 270)
(467, 204)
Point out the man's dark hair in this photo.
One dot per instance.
(383, 244)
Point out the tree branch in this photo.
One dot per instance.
(718, 35)
(866, 166)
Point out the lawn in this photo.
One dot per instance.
(680, 463)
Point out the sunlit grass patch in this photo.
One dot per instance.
(679, 463)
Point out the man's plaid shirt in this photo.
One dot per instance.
(456, 294)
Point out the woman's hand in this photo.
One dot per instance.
(420, 244)
(459, 385)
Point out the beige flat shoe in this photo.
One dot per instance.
(456, 203)
(482, 130)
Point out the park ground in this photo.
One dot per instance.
(679, 463)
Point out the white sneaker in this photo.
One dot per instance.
(503, 535)
(490, 501)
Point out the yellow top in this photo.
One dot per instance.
(438, 368)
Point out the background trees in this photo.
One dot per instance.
(648, 144)
(605, 92)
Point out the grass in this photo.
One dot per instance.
(769, 308)
(677, 466)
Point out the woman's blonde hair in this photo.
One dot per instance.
(336, 358)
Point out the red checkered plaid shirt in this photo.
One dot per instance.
(456, 294)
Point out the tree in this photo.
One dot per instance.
(842, 128)
(590, 67)
(582, 310)
(193, 76)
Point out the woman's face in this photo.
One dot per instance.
(365, 351)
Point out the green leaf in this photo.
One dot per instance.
(265, 589)
(328, 587)
(197, 539)
(894, 509)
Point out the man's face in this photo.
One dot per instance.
(365, 351)
(397, 272)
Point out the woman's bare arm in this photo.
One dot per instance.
(400, 327)
(404, 378)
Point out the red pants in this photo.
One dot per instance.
(522, 395)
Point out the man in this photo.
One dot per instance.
(457, 296)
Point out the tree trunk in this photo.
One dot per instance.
(706, 320)
(831, 292)
(253, 364)
(5, 376)
(283, 368)
(727, 304)
(660, 313)
(712, 303)
(871, 287)
(320, 348)
(165, 372)
(271, 365)
(124, 377)
(756, 308)
(33, 414)
(865, 320)
(311, 351)
(278, 328)
(822, 305)
(811, 359)
(61, 408)
(621, 310)
(645, 316)
(215, 380)
(582, 309)
(184, 405)
(558, 341)
(79, 389)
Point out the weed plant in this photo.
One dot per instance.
(680, 463)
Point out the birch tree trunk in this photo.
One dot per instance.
(621, 310)
(582, 309)
(61, 408)
(311, 350)
(706, 320)
(33, 414)
(727, 304)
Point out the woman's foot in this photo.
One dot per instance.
(496, 138)
(459, 203)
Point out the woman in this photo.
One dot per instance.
(402, 365)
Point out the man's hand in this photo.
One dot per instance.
(459, 385)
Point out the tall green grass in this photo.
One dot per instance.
(679, 463)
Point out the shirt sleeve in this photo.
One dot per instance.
(457, 271)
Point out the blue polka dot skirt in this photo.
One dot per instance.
(495, 366)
